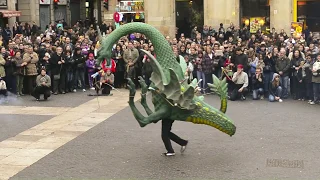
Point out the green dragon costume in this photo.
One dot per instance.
(172, 97)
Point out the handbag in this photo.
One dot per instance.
(56, 77)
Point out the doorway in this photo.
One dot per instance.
(255, 14)
(188, 15)
(45, 16)
(308, 12)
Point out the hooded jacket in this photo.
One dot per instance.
(273, 89)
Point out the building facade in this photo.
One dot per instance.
(160, 13)
(8, 12)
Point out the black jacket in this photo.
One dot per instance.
(55, 67)
(256, 84)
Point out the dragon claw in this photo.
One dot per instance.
(132, 87)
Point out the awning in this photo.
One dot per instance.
(8, 13)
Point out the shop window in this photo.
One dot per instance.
(308, 13)
(255, 14)
(131, 11)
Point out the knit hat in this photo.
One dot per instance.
(47, 55)
(91, 55)
(240, 66)
(274, 76)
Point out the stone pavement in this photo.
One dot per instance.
(273, 141)
(27, 147)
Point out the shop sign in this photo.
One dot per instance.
(256, 23)
(296, 29)
(44, 2)
(131, 6)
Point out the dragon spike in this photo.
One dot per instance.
(172, 90)
(157, 76)
(219, 86)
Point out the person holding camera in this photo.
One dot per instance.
(43, 85)
(241, 82)
(31, 58)
(257, 84)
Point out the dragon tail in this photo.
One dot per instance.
(221, 88)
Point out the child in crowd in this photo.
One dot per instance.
(91, 66)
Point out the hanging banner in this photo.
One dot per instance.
(296, 29)
(256, 23)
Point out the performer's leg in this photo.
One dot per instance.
(165, 134)
(177, 139)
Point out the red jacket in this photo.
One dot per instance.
(112, 67)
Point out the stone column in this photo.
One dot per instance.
(281, 15)
(161, 14)
(12, 6)
(29, 11)
(107, 15)
(221, 11)
(82, 9)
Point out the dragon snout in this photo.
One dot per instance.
(214, 119)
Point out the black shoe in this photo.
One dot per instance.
(243, 98)
(45, 98)
(169, 154)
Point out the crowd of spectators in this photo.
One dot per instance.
(62, 60)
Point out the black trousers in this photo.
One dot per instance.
(119, 79)
(105, 89)
(237, 95)
(167, 135)
(4, 92)
(45, 90)
(59, 85)
(31, 82)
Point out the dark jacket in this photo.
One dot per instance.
(207, 64)
(283, 64)
(295, 62)
(80, 61)
(70, 64)
(256, 84)
(269, 64)
(240, 59)
(55, 67)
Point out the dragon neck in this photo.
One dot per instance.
(163, 51)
